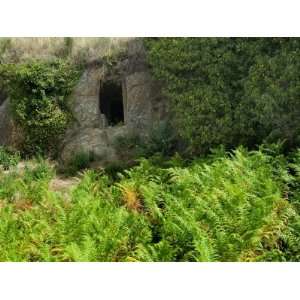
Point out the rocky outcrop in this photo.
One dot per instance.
(98, 141)
(91, 130)
(142, 102)
(3, 96)
(139, 94)
(84, 101)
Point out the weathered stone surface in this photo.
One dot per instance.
(3, 96)
(95, 140)
(84, 101)
(142, 102)
(138, 87)
(85, 110)
(89, 83)
(136, 57)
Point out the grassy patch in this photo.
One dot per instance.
(8, 158)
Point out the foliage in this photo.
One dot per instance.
(38, 92)
(272, 90)
(5, 45)
(230, 91)
(161, 140)
(230, 210)
(8, 158)
(26, 186)
(79, 162)
(38, 224)
(240, 206)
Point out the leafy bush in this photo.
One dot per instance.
(270, 105)
(230, 91)
(79, 162)
(161, 140)
(38, 92)
(8, 158)
(231, 207)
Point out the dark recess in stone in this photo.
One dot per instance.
(3, 97)
(111, 102)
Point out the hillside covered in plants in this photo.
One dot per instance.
(218, 180)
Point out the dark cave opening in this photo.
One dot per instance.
(111, 102)
(3, 97)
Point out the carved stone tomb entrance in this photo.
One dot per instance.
(111, 102)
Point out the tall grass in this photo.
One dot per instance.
(238, 207)
(77, 48)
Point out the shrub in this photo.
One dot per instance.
(230, 91)
(128, 145)
(270, 108)
(38, 92)
(8, 158)
(79, 162)
(161, 140)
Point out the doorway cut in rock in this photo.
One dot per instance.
(3, 97)
(111, 102)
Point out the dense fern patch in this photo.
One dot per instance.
(242, 206)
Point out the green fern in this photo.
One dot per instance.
(242, 206)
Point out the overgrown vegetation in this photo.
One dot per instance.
(156, 204)
(38, 92)
(8, 158)
(242, 206)
(230, 91)
(161, 140)
(79, 162)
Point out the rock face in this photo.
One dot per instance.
(143, 106)
(139, 88)
(98, 141)
(84, 102)
(100, 117)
